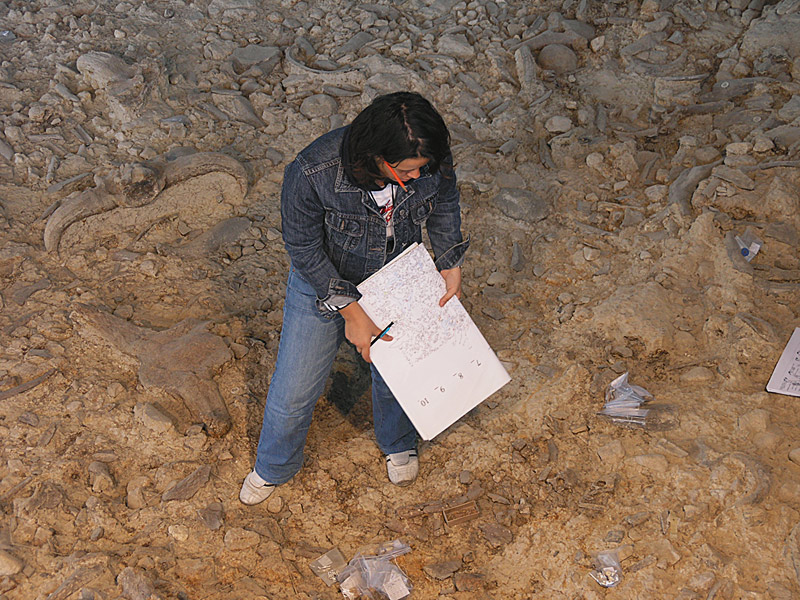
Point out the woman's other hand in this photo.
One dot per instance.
(452, 280)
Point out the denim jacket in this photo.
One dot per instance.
(335, 234)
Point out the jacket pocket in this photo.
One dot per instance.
(344, 231)
(421, 210)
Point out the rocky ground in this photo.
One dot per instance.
(607, 152)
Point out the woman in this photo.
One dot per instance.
(352, 201)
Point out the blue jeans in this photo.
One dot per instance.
(309, 342)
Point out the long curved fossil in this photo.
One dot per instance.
(76, 207)
(137, 185)
(202, 163)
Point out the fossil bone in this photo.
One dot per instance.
(136, 185)
(180, 360)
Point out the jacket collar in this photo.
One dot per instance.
(343, 183)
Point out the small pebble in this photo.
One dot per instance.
(275, 504)
(558, 124)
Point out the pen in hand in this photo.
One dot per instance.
(382, 333)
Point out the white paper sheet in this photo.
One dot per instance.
(786, 376)
(438, 366)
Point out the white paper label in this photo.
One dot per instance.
(395, 588)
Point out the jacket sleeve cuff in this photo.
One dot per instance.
(453, 256)
(340, 293)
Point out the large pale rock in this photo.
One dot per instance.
(130, 94)
(558, 124)
(784, 136)
(442, 570)
(101, 69)
(135, 498)
(353, 45)
(237, 539)
(595, 161)
(135, 584)
(9, 564)
(253, 54)
(777, 27)
(100, 477)
(585, 30)
(522, 204)
(791, 110)
(236, 106)
(528, 73)
(457, 46)
(654, 462)
(212, 515)
(558, 58)
(656, 193)
(644, 311)
(153, 417)
(189, 485)
(755, 342)
(611, 453)
(665, 552)
(697, 376)
(768, 440)
(670, 92)
(754, 421)
(218, 49)
(385, 75)
(318, 106)
(496, 535)
(734, 176)
(236, 9)
(468, 582)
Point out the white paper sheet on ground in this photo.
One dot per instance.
(438, 366)
(786, 376)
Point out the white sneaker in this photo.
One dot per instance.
(402, 467)
(254, 489)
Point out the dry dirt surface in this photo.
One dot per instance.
(608, 155)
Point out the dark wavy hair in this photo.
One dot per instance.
(395, 127)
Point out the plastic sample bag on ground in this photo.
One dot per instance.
(749, 244)
(328, 566)
(632, 405)
(607, 570)
(372, 574)
(624, 402)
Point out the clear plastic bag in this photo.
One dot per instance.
(633, 406)
(749, 244)
(327, 566)
(372, 574)
(624, 402)
(607, 570)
